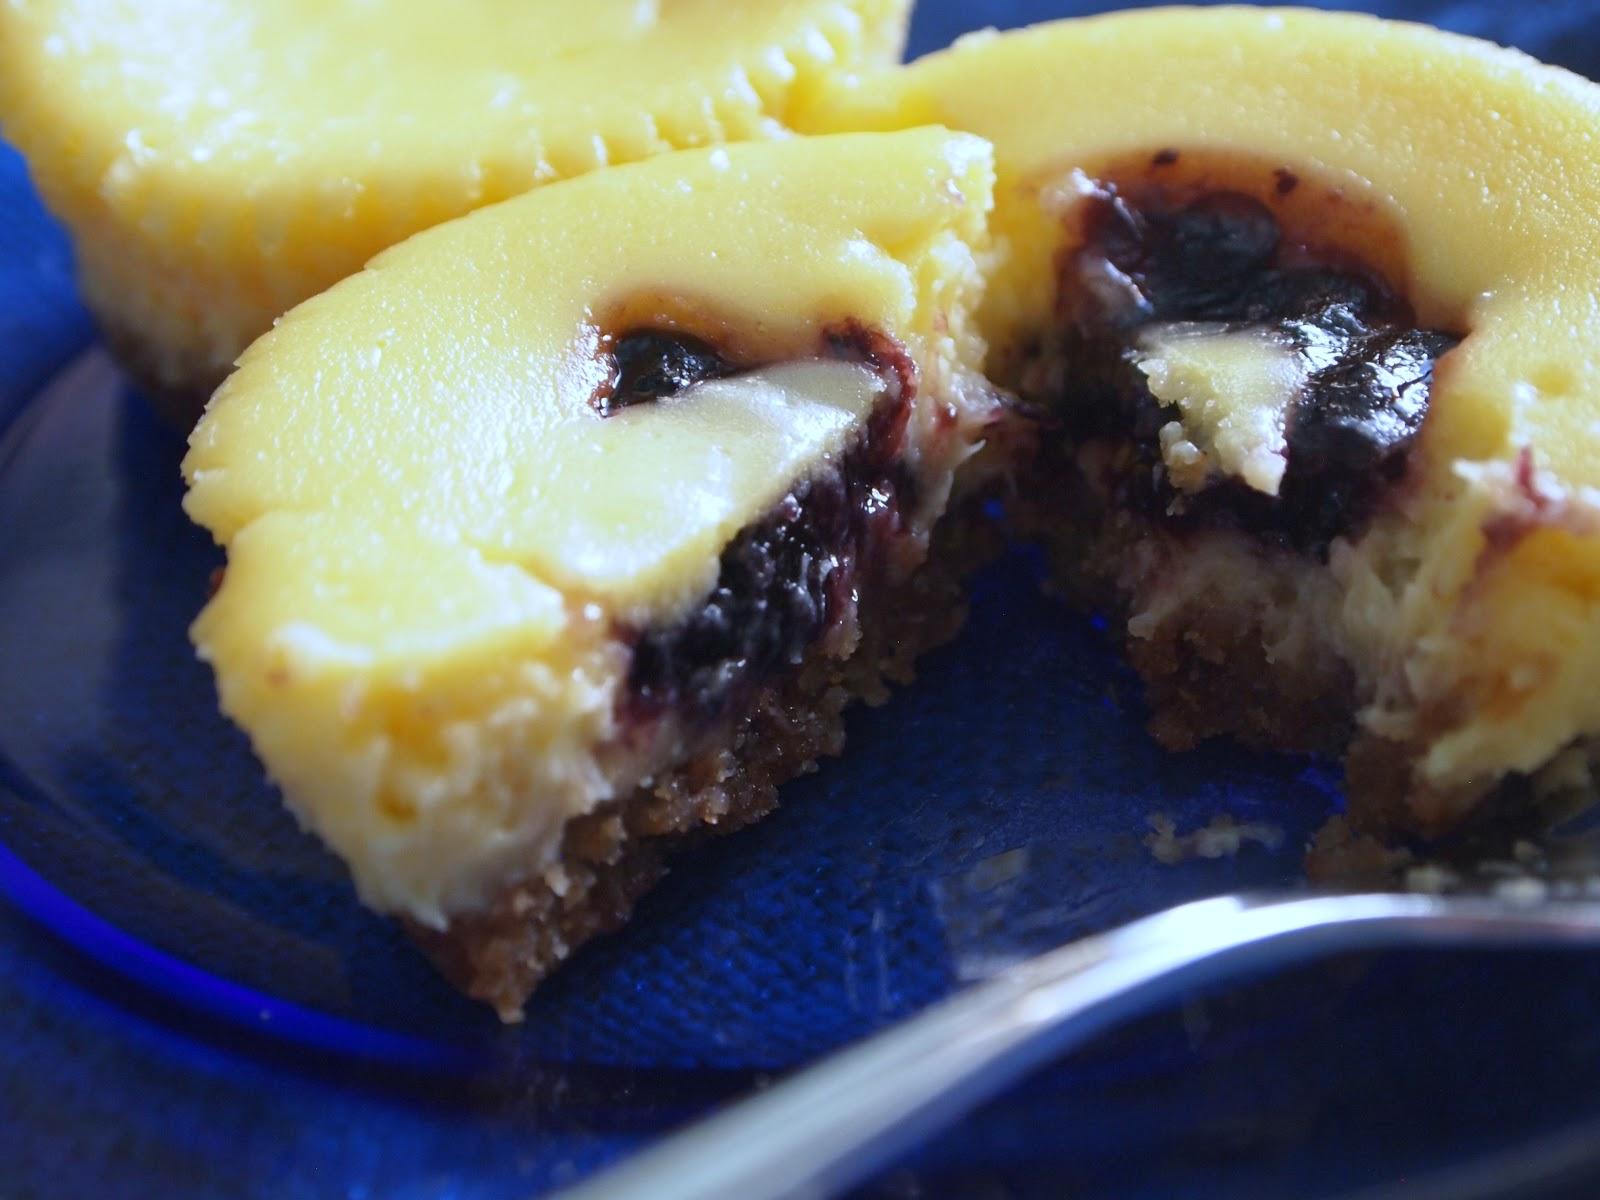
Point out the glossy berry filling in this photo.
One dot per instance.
(1221, 261)
(652, 364)
(785, 580)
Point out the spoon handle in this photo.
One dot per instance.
(833, 1124)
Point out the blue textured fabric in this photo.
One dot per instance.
(41, 320)
(195, 1005)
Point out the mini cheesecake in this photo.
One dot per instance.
(218, 161)
(1314, 304)
(564, 531)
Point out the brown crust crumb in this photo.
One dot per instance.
(1207, 674)
(1343, 856)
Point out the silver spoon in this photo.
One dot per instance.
(833, 1124)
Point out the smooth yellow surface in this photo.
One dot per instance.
(1484, 655)
(445, 390)
(220, 160)
(431, 532)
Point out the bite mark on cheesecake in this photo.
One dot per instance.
(1237, 390)
(1246, 380)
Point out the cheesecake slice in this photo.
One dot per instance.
(563, 532)
(218, 161)
(1314, 301)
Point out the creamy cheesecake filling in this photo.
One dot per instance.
(1228, 406)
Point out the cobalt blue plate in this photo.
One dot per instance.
(195, 1005)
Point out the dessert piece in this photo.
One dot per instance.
(218, 161)
(1315, 304)
(565, 530)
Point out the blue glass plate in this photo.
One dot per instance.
(194, 1003)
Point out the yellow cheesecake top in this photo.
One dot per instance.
(447, 389)
(339, 96)
(1479, 604)
(218, 161)
(431, 530)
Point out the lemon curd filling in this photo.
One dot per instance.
(218, 161)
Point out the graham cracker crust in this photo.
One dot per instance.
(1208, 674)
